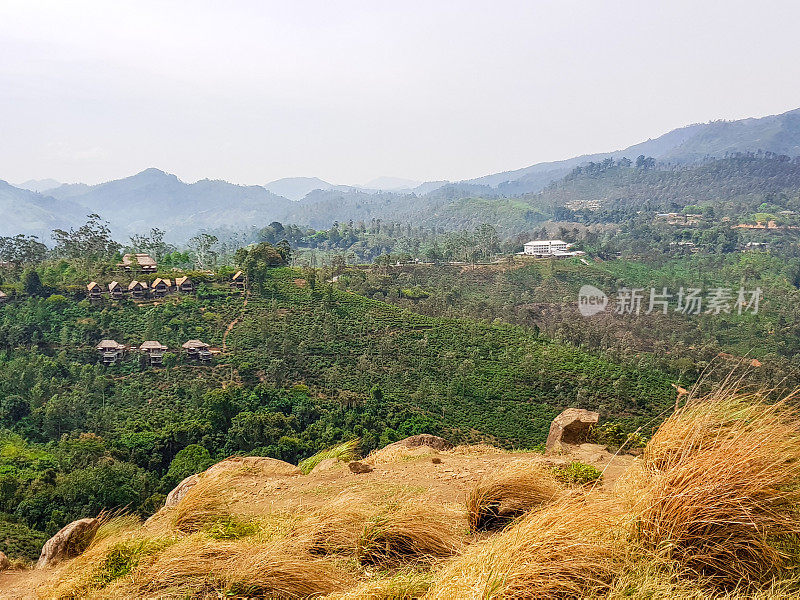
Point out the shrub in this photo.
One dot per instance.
(578, 473)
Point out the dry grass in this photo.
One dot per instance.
(409, 532)
(196, 566)
(204, 503)
(568, 549)
(502, 497)
(403, 585)
(391, 533)
(721, 490)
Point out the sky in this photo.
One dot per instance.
(346, 90)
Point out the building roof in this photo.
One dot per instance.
(195, 344)
(3, 294)
(237, 276)
(546, 242)
(144, 260)
(113, 285)
(133, 284)
(92, 286)
(182, 280)
(109, 345)
(166, 282)
(152, 345)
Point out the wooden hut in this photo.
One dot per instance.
(138, 289)
(154, 352)
(138, 263)
(110, 351)
(94, 291)
(197, 350)
(160, 287)
(238, 280)
(184, 285)
(3, 297)
(116, 291)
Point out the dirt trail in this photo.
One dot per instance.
(233, 323)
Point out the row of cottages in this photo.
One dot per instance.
(139, 290)
(111, 352)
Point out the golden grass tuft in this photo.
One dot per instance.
(568, 549)
(402, 585)
(391, 533)
(203, 504)
(504, 496)
(721, 490)
(408, 532)
(197, 566)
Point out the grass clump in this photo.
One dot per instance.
(344, 452)
(722, 491)
(578, 473)
(500, 498)
(230, 527)
(407, 532)
(564, 550)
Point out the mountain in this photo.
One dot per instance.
(390, 184)
(30, 213)
(776, 133)
(38, 185)
(154, 198)
(296, 188)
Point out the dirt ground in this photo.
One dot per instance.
(442, 477)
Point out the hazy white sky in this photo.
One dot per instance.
(251, 91)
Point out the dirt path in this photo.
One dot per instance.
(233, 323)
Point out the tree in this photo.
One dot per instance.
(22, 249)
(258, 260)
(33, 284)
(203, 247)
(152, 244)
(91, 242)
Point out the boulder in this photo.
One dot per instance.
(4, 562)
(69, 542)
(570, 427)
(177, 494)
(424, 439)
(359, 467)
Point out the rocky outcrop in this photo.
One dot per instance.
(570, 427)
(424, 439)
(4, 562)
(69, 542)
(257, 465)
(180, 490)
(359, 467)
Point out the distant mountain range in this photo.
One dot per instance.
(154, 198)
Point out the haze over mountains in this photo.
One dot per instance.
(154, 198)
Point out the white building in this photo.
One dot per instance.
(546, 247)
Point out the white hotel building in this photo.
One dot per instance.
(547, 248)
